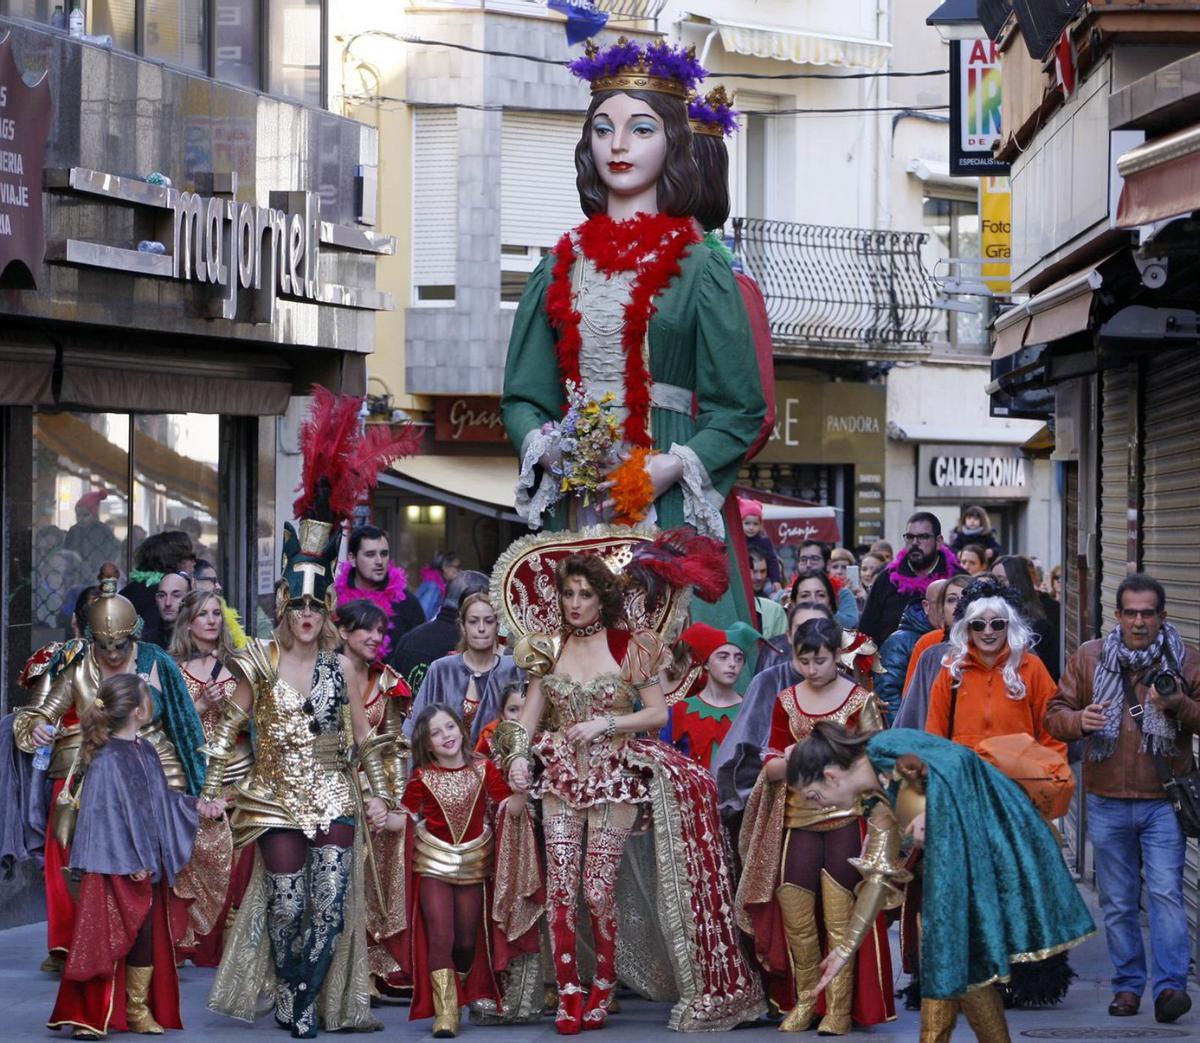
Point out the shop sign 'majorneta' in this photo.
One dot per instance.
(24, 127)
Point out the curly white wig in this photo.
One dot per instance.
(1020, 639)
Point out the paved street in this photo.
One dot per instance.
(28, 996)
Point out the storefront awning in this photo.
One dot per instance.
(483, 484)
(1162, 179)
(976, 434)
(802, 48)
(1058, 311)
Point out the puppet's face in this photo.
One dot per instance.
(629, 145)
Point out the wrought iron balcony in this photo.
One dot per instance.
(840, 292)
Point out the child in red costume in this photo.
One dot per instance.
(455, 795)
(134, 835)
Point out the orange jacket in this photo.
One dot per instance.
(984, 708)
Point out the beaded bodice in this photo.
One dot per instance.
(572, 702)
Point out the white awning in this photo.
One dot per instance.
(802, 48)
(484, 484)
(1013, 432)
(934, 174)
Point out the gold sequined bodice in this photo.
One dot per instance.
(573, 703)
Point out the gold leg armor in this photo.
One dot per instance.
(984, 1010)
(799, 909)
(838, 906)
(445, 1003)
(137, 1012)
(937, 1020)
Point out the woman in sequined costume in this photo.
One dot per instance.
(202, 646)
(387, 700)
(798, 873)
(581, 724)
(302, 806)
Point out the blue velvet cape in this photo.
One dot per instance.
(996, 890)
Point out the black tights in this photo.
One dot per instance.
(809, 851)
(451, 913)
(141, 954)
(286, 850)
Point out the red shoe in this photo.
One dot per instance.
(595, 1014)
(569, 1019)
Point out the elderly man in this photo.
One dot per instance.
(1135, 696)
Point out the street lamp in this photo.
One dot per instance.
(957, 20)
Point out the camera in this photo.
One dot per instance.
(1165, 682)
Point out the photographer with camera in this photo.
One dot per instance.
(1135, 697)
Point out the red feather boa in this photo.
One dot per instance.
(651, 246)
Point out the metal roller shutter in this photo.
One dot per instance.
(535, 209)
(1115, 431)
(1072, 635)
(1171, 517)
(1171, 486)
(435, 197)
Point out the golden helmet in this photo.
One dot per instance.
(111, 617)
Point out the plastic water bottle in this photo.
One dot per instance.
(41, 757)
(76, 22)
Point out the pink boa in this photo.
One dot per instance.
(434, 576)
(910, 586)
(392, 592)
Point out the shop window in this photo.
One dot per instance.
(516, 265)
(295, 43)
(237, 29)
(953, 227)
(101, 483)
(177, 32)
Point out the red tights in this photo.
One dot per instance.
(809, 851)
(451, 914)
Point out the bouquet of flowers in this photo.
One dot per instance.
(588, 437)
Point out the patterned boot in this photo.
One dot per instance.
(799, 909)
(838, 906)
(446, 1003)
(938, 1018)
(600, 998)
(287, 895)
(329, 879)
(137, 1010)
(569, 1019)
(984, 1011)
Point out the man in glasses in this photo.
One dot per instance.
(1135, 697)
(905, 581)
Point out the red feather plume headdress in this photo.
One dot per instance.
(342, 462)
(681, 558)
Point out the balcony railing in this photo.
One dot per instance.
(840, 292)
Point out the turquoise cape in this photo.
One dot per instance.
(996, 890)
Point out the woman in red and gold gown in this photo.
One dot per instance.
(387, 699)
(203, 645)
(797, 888)
(581, 726)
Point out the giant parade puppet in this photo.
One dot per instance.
(633, 395)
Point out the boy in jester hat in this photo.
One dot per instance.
(709, 699)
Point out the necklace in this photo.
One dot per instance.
(587, 631)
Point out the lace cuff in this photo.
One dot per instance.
(701, 502)
(534, 498)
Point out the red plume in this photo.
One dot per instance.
(682, 558)
(341, 464)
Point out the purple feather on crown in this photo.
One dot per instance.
(658, 59)
(714, 109)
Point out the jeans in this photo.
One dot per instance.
(1128, 837)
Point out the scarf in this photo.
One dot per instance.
(434, 576)
(1108, 691)
(915, 586)
(386, 599)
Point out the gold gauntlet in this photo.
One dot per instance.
(52, 702)
(372, 759)
(219, 749)
(882, 888)
(510, 741)
(537, 653)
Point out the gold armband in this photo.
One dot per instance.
(372, 758)
(883, 876)
(219, 749)
(510, 741)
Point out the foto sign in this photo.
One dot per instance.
(972, 472)
(974, 108)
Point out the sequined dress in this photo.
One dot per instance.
(583, 774)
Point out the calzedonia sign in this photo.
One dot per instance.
(972, 473)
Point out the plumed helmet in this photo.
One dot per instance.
(310, 550)
(111, 617)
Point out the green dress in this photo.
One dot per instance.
(700, 353)
(996, 891)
